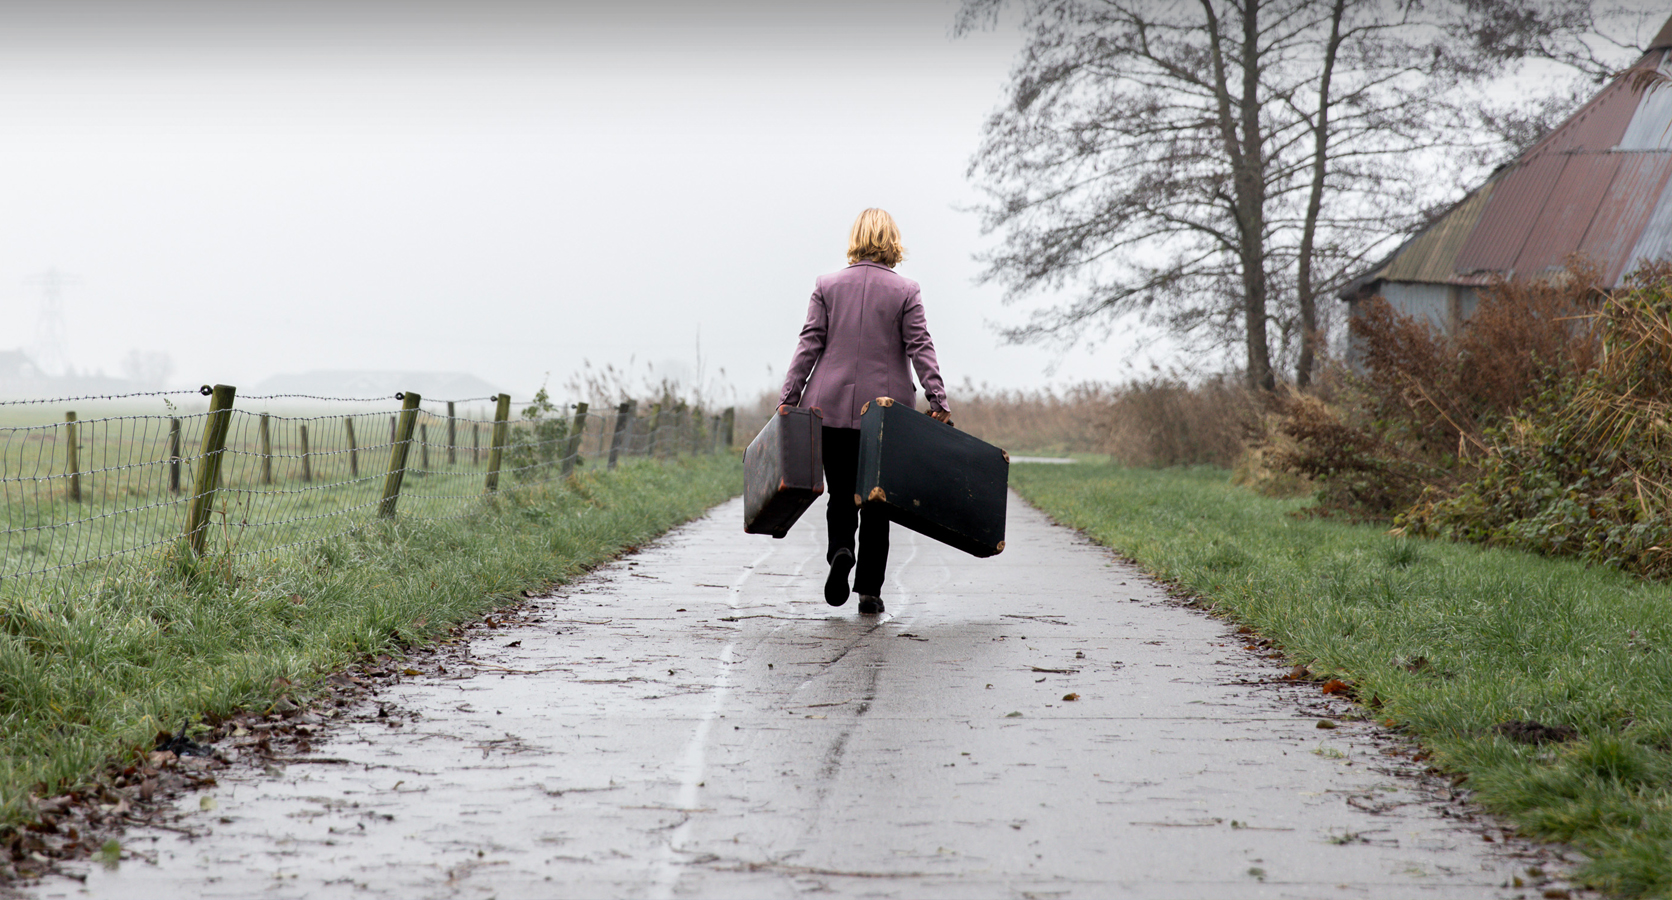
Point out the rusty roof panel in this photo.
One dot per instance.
(1655, 243)
(1625, 209)
(1432, 255)
(1567, 214)
(1598, 184)
(1509, 216)
(1597, 126)
(1664, 38)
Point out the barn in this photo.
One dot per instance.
(1596, 185)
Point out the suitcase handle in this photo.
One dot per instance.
(889, 401)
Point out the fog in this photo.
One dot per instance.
(505, 189)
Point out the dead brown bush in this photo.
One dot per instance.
(1421, 415)
(1169, 422)
(1036, 422)
(1436, 392)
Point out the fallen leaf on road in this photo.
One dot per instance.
(1054, 671)
(1014, 715)
(1337, 686)
(411, 672)
(1325, 724)
(1070, 697)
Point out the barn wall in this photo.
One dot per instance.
(1421, 301)
(1445, 306)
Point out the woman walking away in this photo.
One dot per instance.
(863, 324)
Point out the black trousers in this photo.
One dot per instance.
(841, 470)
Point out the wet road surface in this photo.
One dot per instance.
(695, 721)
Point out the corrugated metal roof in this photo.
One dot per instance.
(1560, 227)
(1432, 255)
(1625, 210)
(1599, 184)
(1597, 126)
(1496, 241)
(1656, 240)
(1662, 40)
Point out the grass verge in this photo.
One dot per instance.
(1448, 641)
(89, 679)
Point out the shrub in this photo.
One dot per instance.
(1584, 469)
(1423, 417)
(1168, 422)
(1040, 421)
(1435, 393)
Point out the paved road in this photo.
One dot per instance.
(695, 721)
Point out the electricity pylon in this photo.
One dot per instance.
(51, 348)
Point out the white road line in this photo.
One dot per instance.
(694, 761)
(901, 594)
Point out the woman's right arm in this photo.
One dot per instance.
(807, 353)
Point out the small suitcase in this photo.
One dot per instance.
(932, 478)
(783, 471)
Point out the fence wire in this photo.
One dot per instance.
(80, 495)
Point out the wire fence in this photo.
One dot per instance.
(215, 474)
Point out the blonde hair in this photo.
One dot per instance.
(875, 237)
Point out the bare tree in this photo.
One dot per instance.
(1222, 164)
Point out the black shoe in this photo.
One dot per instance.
(869, 605)
(836, 586)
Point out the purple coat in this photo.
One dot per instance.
(863, 324)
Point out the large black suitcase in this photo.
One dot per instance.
(783, 471)
(932, 478)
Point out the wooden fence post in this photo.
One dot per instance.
(731, 423)
(452, 436)
(713, 435)
(72, 456)
(397, 455)
(572, 449)
(623, 415)
(391, 430)
(307, 466)
(266, 438)
(501, 431)
(475, 443)
(424, 450)
(353, 449)
(174, 456)
(215, 427)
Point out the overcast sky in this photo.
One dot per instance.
(498, 188)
